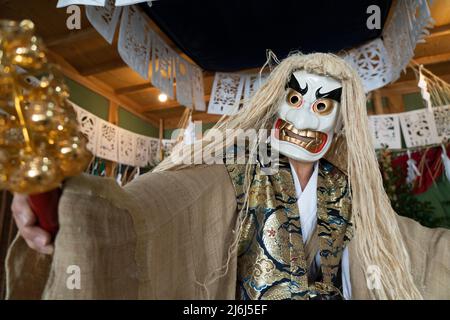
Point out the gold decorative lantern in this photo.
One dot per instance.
(40, 144)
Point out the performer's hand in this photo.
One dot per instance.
(36, 238)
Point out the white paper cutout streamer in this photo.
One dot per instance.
(88, 125)
(226, 93)
(442, 120)
(110, 142)
(183, 77)
(418, 128)
(128, 2)
(65, 3)
(104, 19)
(446, 162)
(167, 146)
(378, 62)
(406, 27)
(134, 41)
(107, 141)
(162, 65)
(118, 3)
(372, 63)
(252, 83)
(153, 151)
(141, 154)
(386, 131)
(198, 91)
(127, 147)
(411, 172)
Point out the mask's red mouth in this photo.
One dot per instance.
(312, 141)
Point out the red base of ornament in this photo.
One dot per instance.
(45, 207)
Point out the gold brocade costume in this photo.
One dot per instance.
(271, 255)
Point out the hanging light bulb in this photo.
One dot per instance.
(162, 97)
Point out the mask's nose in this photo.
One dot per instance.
(303, 118)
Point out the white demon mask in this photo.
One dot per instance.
(307, 116)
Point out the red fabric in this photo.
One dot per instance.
(45, 207)
(429, 163)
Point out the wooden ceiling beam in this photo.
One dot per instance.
(101, 88)
(440, 31)
(151, 109)
(72, 38)
(172, 123)
(148, 86)
(103, 67)
(432, 59)
(134, 88)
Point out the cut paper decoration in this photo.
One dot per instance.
(134, 40)
(88, 123)
(153, 151)
(104, 19)
(226, 93)
(372, 63)
(412, 171)
(184, 83)
(162, 65)
(385, 131)
(65, 3)
(442, 120)
(128, 2)
(198, 91)
(167, 146)
(446, 162)
(141, 155)
(107, 141)
(127, 147)
(252, 83)
(418, 128)
(406, 27)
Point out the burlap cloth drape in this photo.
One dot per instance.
(162, 235)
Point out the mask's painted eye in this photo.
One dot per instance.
(294, 99)
(323, 106)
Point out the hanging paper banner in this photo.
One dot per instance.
(141, 154)
(226, 93)
(418, 128)
(153, 151)
(442, 120)
(252, 83)
(65, 3)
(128, 2)
(198, 91)
(127, 147)
(167, 146)
(135, 40)
(162, 65)
(184, 83)
(372, 63)
(104, 19)
(386, 131)
(88, 124)
(107, 141)
(407, 26)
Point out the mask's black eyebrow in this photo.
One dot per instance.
(293, 84)
(333, 94)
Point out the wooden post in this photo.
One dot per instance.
(161, 136)
(396, 104)
(113, 117)
(377, 102)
